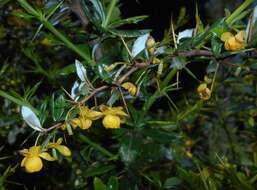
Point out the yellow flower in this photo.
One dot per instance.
(46, 42)
(86, 116)
(114, 116)
(207, 79)
(232, 42)
(32, 161)
(156, 60)
(130, 87)
(150, 45)
(64, 150)
(203, 91)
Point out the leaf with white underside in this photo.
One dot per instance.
(74, 91)
(81, 71)
(188, 33)
(31, 119)
(139, 45)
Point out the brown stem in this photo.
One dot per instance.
(97, 90)
(195, 52)
(52, 128)
(135, 67)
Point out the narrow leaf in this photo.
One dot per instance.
(81, 71)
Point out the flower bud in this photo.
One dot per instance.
(150, 45)
(111, 122)
(203, 91)
(130, 87)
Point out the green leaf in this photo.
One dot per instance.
(171, 183)
(216, 45)
(93, 9)
(160, 135)
(57, 107)
(17, 100)
(128, 33)
(98, 169)
(66, 70)
(129, 149)
(131, 20)
(98, 184)
(113, 183)
(114, 97)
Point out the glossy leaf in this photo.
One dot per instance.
(31, 119)
(131, 20)
(139, 45)
(128, 33)
(113, 183)
(57, 105)
(98, 184)
(81, 71)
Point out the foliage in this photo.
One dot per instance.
(116, 99)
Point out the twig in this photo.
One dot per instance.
(194, 52)
(126, 46)
(134, 68)
(97, 90)
(52, 128)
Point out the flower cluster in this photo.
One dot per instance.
(33, 156)
(112, 117)
(233, 42)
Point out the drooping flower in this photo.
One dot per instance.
(130, 87)
(32, 160)
(204, 92)
(86, 116)
(64, 150)
(233, 43)
(114, 116)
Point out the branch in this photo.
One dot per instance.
(52, 128)
(192, 53)
(135, 67)
(97, 90)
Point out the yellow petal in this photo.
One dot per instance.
(59, 141)
(207, 79)
(94, 115)
(240, 36)
(130, 87)
(85, 123)
(225, 36)
(111, 122)
(233, 44)
(23, 161)
(112, 110)
(156, 60)
(33, 164)
(201, 87)
(227, 45)
(46, 156)
(150, 42)
(89, 113)
(34, 150)
(64, 150)
(75, 123)
(203, 91)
